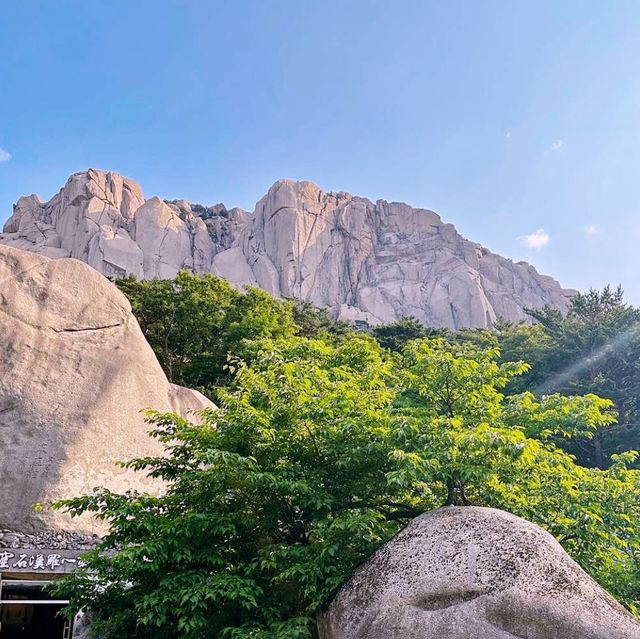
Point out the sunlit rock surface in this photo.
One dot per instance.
(75, 372)
(463, 573)
(363, 261)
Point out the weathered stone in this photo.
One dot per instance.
(49, 539)
(75, 372)
(362, 261)
(458, 573)
(164, 240)
(113, 253)
(232, 265)
(82, 626)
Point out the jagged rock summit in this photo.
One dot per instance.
(461, 573)
(75, 372)
(373, 262)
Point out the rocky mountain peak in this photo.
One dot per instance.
(363, 261)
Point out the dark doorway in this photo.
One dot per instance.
(32, 621)
(28, 611)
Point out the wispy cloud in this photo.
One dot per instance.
(557, 145)
(507, 134)
(536, 240)
(5, 156)
(591, 229)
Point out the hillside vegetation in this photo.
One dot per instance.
(327, 441)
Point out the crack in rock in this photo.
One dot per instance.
(88, 329)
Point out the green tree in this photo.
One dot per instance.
(182, 320)
(530, 343)
(193, 323)
(595, 348)
(318, 454)
(268, 503)
(396, 335)
(254, 316)
(316, 322)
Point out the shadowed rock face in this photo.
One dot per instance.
(463, 573)
(75, 372)
(374, 262)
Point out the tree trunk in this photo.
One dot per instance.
(598, 455)
(451, 493)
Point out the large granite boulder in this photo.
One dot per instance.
(75, 372)
(474, 573)
(372, 262)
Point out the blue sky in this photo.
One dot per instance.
(518, 121)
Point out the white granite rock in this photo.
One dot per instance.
(75, 372)
(164, 240)
(462, 573)
(365, 261)
(231, 264)
(113, 253)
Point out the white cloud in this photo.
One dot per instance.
(537, 240)
(557, 145)
(591, 229)
(5, 156)
(507, 134)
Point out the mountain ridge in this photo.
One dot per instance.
(363, 261)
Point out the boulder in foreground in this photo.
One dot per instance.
(474, 573)
(75, 374)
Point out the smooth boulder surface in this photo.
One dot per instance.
(474, 573)
(363, 261)
(75, 374)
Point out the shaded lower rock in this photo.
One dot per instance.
(462, 573)
(82, 626)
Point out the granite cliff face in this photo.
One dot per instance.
(458, 573)
(374, 262)
(75, 374)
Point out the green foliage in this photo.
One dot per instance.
(316, 323)
(254, 316)
(195, 321)
(530, 343)
(595, 348)
(182, 320)
(266, 510)
(397, 335)
(319, 452)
